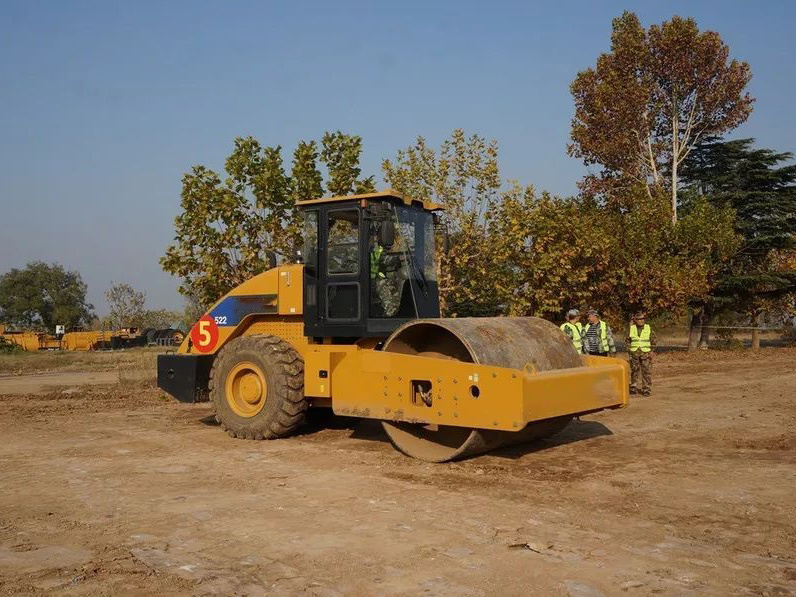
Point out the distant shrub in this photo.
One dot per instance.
(726, 340)
(8, 347)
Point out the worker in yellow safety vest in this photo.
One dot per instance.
(641, 343)
(598, 339)
(573, 328)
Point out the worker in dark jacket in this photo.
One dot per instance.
(641, 343)
(598, 339)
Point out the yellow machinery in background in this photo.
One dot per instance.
(356, 327)
(29, 341)
(92, 340)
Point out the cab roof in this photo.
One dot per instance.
(385, 194)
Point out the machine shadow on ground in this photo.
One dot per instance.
(320, 420)
(576, 431)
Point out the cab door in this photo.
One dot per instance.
(310, 254)
(334, 272)
(340, 302)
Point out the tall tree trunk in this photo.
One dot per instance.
(704, 335)
(695, 330)
(675, 157)
(755, 331)
(674, 192)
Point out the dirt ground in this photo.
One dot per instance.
(106, 491)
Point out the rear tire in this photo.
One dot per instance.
(257, 388)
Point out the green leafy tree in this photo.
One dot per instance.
(229, 230)
(161, 319)
(464, 177)
(554, 253)
(341, 155)
(126, 306)
(42, 295)
(546, 260)
(307, 181)
(645, 105)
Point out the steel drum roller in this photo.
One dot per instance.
(512, 342)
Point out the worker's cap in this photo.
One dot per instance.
(572, 313)
(594, 312)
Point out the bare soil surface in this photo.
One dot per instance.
(113, 490)
(67, 381)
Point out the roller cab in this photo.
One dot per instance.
(355, 326)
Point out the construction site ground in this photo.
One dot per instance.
(114, 488)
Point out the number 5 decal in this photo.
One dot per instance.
(204, 334)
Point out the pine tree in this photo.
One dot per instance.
(762, 192)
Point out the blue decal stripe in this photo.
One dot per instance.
(232, 310)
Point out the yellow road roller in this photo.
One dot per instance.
(355, 327)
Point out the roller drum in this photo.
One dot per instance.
(512, 342)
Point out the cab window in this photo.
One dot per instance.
(343, 242)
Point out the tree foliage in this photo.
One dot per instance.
(127, 306)
(520, 253)
(162, 319)
(762, 192)
(228, 229)
(546, 260)
(42, 295)
(341, 154)
(647, 103)
(463, 176)
(659, 266)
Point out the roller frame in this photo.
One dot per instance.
(382, 385)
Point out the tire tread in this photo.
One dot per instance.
(292, 404)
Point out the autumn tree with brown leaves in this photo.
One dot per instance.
(649, 101)
(517, 252)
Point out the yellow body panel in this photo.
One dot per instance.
(384, 385)
(283, 288)
(318, 358)
(291, 329)
(291, 293)
(264, 283)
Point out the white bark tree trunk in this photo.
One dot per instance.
(674, 191)
(675, 156)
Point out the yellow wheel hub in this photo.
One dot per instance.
(246, 389)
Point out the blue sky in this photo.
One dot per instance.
(104, 105)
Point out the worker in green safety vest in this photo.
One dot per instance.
(384, 295)
(641, 343)
(376, 251)
(574, 329)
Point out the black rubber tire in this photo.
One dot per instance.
(285, 405)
